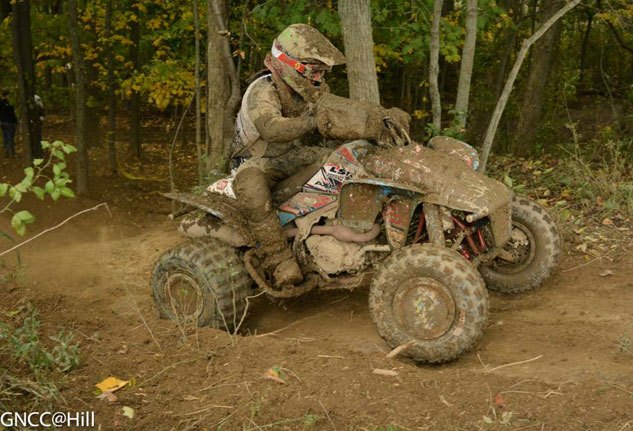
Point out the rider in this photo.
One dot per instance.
(274, 125)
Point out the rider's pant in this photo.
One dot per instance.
(256, 176)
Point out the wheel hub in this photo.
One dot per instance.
(519, 250)
(424, 308)
(183, 296)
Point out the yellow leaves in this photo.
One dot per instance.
(420, 114)
(111, 384)
(155, 23)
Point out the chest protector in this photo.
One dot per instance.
(246, 134)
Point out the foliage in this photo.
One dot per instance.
(33, 365)
(40, 181)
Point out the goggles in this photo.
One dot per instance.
(312, 71)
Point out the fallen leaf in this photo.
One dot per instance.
(382, 372)
(606, 273)
(107, 395)
(499, 401)
(128, 412)
(607, 221)
(111, 384)
(274, 374)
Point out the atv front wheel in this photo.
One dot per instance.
(203, 282)
(431, 298)
(534, 248)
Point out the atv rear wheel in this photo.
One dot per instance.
(203, 282)
(433, 299)
(534, 246)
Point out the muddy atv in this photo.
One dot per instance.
(417, 224)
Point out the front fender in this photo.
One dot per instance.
(444, 180)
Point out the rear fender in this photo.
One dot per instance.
(222, 211)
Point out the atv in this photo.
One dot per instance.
(418, 224)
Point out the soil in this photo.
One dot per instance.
(552, 359)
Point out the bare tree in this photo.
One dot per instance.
(80, 100)
(466, 67)
(23, 55)
(111, 90)
(196, 26)
(359, 49)
(223, 87)
(434, 65)
(534, 93)
(503, 100)
(135, 99)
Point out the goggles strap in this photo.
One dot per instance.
(279, 55)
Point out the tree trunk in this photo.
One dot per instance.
(196, 22)
(503, 100)
(583, 46)
(434, 67)
(359, 49)
(80, 100)
(223, 88)
(111, 91)
(135, 99)
(534, 95)
(466, 67)
(23, 54)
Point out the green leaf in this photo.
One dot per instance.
(59, 154)
(15, 194)
(55, 194)
(57, 170)
(18, 225)
(67, 148)
(49, 187)
(39, 192)
(507, 181)
(37, 162)
(46, 145)
(22, 188)
(66, 192)
(25, 216)
(3, 189)
(29, 172)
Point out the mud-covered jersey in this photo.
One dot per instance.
(261, 128)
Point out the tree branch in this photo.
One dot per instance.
(618, 37)
(505, 95)
(15, 247)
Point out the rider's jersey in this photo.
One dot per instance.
(261, 128)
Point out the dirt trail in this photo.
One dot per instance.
(93, 275)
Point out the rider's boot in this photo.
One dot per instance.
(277, 258)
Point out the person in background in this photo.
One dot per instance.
(8, 122)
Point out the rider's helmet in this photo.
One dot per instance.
(301, 55)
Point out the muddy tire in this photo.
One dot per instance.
(203, 282)
(432, 298)
(536, 245)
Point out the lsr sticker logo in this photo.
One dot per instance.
(329, 179)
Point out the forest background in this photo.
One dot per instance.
(140, 57)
